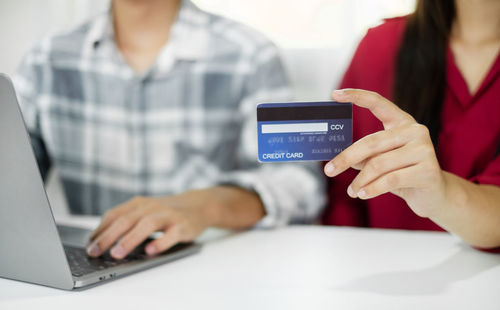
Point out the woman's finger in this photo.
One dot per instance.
(391, 182)
(384, 110)
(400, 158)
(368, 147)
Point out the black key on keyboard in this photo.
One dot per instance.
(81, 264)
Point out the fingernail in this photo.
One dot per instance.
(338, 92)
(329, 169)
(118, 251)
(350, 192)
(362, 194)
(151, 249)
(93, 249)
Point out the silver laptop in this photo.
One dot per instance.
(32, 248)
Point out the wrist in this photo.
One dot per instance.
(230, 207)
(452, 197)
(207, 205)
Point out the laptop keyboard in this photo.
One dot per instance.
(81, 264)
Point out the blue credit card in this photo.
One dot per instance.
(300, 131)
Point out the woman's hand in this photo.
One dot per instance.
(399, 160)
(181, 219)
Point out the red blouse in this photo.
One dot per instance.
(469, 141)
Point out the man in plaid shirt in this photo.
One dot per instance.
(148, 113)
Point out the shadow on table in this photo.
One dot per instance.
(464, 264)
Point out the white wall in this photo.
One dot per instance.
(290, 23)
(24, 22)
(310, 23)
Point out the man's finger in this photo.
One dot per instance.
(144, 227)
(114, 231)
(113, 214)
(171, 237)
(387, 112)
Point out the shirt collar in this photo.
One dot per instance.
(101, 30)
(189, 34)
(188, 40)
(457, 84)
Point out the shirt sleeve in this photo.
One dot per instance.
(290, 192)
(490, 175)
(27, 82)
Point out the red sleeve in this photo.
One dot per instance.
(496, 251)
(350, 79)
(491, 175)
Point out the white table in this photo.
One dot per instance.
(298, 267)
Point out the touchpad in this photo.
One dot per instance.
(74, 236)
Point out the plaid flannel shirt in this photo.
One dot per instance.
(187, 123)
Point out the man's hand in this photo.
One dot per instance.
(400, 159)
(181, 218)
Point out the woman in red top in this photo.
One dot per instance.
(437, 165)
